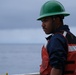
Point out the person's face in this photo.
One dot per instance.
(47, 25)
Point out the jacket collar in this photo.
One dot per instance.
(62, 28)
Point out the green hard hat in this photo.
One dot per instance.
(52, 8)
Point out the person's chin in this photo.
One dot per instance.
(47, 33)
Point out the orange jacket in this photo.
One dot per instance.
(70, 69)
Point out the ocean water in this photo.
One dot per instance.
(20, 58)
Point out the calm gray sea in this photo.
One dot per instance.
(20, 58)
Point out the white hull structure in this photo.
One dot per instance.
(36, 73)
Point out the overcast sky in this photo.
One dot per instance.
(18, 14)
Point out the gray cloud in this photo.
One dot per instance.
(18, 20)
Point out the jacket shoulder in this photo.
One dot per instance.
(71, 38)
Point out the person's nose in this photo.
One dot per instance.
(43, 25)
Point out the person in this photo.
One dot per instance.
(59, 55)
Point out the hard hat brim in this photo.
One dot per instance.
(53, 14)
